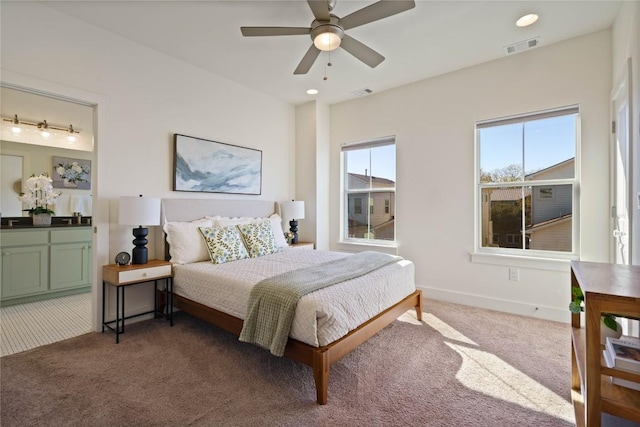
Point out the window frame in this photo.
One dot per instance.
(367, 192)
(479, 249)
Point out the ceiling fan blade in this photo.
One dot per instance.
(320, 9)
(274, 31)
(307, 61)
(376, 11)
(362, 52)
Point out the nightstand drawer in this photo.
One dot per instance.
(122, 275)
(144, 274)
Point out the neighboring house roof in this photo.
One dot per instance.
(508, 194)
(549, 223)
(532, 175)
(374, 179)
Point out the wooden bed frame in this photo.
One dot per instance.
(319, 359)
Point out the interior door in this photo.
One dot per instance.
(620, 169)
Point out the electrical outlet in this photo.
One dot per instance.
(514, 274)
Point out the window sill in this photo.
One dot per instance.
(551, 264)
(391, 249)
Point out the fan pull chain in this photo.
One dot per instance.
(329, 64)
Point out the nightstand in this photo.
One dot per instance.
(302, 245)
(121, 276)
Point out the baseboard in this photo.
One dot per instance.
(512, 307)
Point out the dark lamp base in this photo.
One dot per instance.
(139, 255)
(294, 229)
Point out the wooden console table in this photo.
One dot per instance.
(607, 288)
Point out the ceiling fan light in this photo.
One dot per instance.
(327, 41)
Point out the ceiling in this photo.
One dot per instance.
(435, 37)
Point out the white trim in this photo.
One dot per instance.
(535, 115)
(369, 143)
(550, 264)
(505, 306)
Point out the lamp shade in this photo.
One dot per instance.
(292, 210)
(139, 211)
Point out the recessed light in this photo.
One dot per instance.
(527, 20)
(312, 91)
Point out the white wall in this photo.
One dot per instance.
(312, 172)
(626, 44)
(433, 121)
(146, 97)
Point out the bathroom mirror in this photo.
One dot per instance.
(28, 152)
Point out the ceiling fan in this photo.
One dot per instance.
(328, 31)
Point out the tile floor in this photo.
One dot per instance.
(30, 325)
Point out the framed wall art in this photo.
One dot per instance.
(201, 165)
(71, 173)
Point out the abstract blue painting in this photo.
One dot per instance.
(214, 167)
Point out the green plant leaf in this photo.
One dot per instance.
(577, 293)
(575, 306)
(610, 321)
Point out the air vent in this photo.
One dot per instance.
(362, 92)
(521, 46)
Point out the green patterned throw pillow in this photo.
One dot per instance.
(224, 244)
(258, 238)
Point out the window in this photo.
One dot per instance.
(369, 173)
(357, 205)
(527, 183)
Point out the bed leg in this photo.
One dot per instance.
(321, 375)
(419, 306)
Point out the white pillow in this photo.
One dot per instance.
(276, 225)
(185, 242)
(278, 233)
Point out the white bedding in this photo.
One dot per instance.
(322, 316)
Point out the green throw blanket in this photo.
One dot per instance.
(272, 302)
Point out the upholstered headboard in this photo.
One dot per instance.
(193, 209)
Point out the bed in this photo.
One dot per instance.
(328, 323)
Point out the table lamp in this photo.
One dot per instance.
(140, 211)
(293, 211)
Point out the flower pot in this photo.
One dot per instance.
(43, 219)
(605, 332)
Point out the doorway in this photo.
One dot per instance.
(31, 324)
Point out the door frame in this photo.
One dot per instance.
(621, 88)
(100, 205)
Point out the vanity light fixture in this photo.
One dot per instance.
(71, 137)
(44, 128)
(15, 128)
(527, 20)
